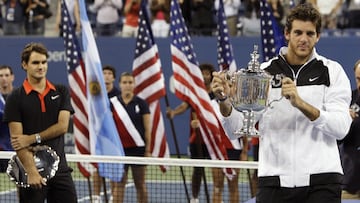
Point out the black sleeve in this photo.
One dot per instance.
(12, 111)
(65, 102)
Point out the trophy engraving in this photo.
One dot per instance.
(249, 93)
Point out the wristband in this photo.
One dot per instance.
(38, 138)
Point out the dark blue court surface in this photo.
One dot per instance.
(158, 192)
(342, 201)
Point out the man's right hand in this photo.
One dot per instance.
(219, 85)
(170, 113)
(35, 180)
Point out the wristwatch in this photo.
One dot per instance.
(37, 138)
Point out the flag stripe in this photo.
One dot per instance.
(127, 130)
(76, 78)
(149, 81)
(189, 85)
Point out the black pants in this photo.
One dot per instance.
(59, 189)
(319, 191)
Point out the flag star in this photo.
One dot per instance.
(272, 36)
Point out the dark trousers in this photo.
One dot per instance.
(59, 189)
(323, 189)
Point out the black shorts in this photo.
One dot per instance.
(233, 154)
(135, 151)
(199, 151)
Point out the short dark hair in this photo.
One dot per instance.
(207, 66)
(356, 64)
(304, 12)
(6, 67)
(124, 74)
(33, 47)
(110, 68)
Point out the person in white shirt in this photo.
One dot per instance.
(231, 8)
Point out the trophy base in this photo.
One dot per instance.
(246, 132)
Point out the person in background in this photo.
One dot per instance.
(231, 8)
(353, 10)
(299, 159)
(74, 13)
(38, 113)
(6, 87)
(131, 14)
(236, 149)
(278, 11)
(251, 19)
(37, 12)
(203, 18)
(137, 139)
(185, 6)
(350, 146)
(107, 16)
(160, 17)
(14, 17)
(329, 10)
(109, 73)
(198, 149)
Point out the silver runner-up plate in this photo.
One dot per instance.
(46, 162)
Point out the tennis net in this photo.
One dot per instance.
(174, 185)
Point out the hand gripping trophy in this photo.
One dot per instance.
(249, 93)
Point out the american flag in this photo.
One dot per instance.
(149, 81)
(272, 36)
(190, 87)
(77, 83)
(224, 47)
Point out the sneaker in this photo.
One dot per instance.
(96, 199)
(194, 200)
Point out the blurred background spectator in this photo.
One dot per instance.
(74, 13)
(353, 10)
(131, 14)
(251, 18)
(185, 6)
(278, 11)
(199, 16)
(329, 10)
(160, 17)
(107, 16)
(203, 17)
(231, 9)
(14, 17)
(37, 11)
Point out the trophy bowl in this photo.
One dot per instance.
(46, 162)
(249, 89)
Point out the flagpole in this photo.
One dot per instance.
(90, 189)
(177, 148)
(105, 190)
(200, 152)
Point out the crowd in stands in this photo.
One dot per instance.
(119, 17)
